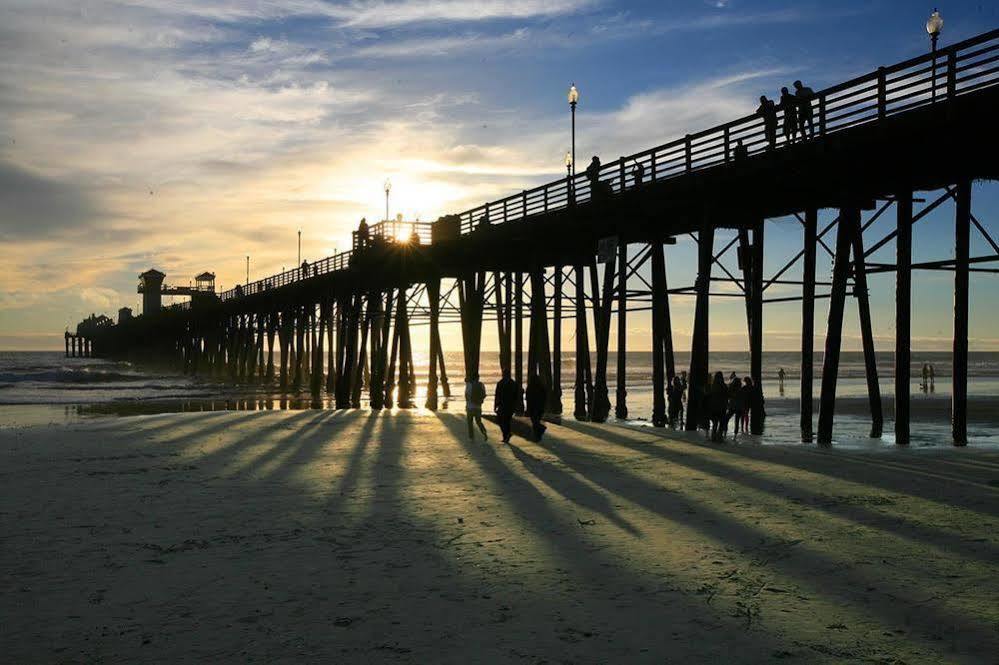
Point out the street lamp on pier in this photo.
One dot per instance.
(573, 99)
(247, 271)
(299, 247)
(388, 188)
(934, 25)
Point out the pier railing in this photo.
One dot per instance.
(935, 77)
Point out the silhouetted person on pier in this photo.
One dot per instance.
(741, 153)
(804, 95)
(717, 402)
(305, 270)
(768, 111)
(483, 222)
(536, 398)
(362, 233)
(597, 189)
(638, 174)
(789, 107)
(506, 401)
(475, 395)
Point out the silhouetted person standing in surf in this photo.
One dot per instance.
(768, 111)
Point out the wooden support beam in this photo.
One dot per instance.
(755, 288)
(357, 381)
(849, 222)
(621, 393)
(380, 321)
(540, 359)
(350, 310)
(434, 301)
(903, 315)
(407, 382)
(962, 246)
(862, 295)
(697, 381)
(659, 295)
(393, 357)
(556, 398)
(471, 289)
(331, 344)
(502, 320)
(602, 304)
(583, 387)
(319, 355)
(808, 322)
(271, 332)
(518, 335)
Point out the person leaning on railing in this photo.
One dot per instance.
(768, 111)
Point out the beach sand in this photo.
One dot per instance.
(323, 536)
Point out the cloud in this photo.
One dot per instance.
(100, 297)
(391, 14)
(35, 206)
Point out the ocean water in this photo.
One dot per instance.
(89, 387)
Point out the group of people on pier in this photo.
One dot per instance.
(797, 114)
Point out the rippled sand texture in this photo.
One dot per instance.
(351, 537)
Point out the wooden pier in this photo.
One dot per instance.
(581, 250)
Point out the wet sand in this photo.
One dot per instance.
(350, 537)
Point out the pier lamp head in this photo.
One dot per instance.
(573, 95)
(568, 158)
(934, 25)
(387, 185)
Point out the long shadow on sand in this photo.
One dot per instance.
(904, 609)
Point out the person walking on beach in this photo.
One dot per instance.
(926, 377)
(780, 380)
(475, 395)
(536, 398)
(768, 111)
(717, 402)
(804, 95)
(789, 106)
(506, 398)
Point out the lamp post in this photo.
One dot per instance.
(933, 27)
(247, 271)
(573, 99)
(299, 248)
(388, 188)
(568, 178)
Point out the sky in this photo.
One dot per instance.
(188, 134)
